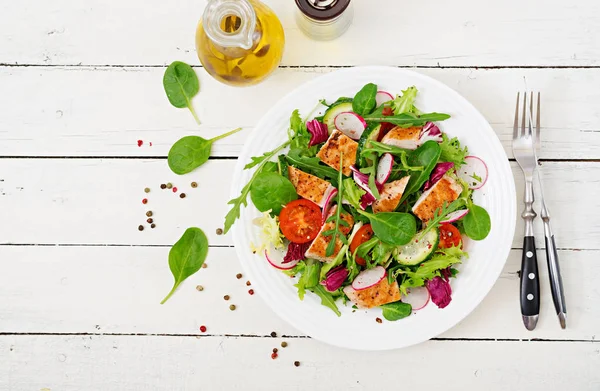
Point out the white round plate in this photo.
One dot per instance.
(358, 330)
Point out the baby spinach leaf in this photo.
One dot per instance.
(190, 152)
(426, 156)
(393, 227)
(364, 101)
(396, 311)
(477, 223)
(326, 298)
(187, 256)
(181, 85)
(271, 191)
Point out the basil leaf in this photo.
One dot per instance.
(393, 227)
(477, 223)
(326, 298)
(187, 256)
(426, 156)
(364, 101)
(396, 311)
(190, 152)
(181, 85)
(271, 191)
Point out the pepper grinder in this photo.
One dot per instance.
(324, 20)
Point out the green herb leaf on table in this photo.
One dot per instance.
(190, 152)
(271, 191)
(326, 298)
(396, 311)
(477, 223)
(181, 85)
(187, 256)
(364, 101)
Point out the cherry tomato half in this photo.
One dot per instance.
(300, 221)
(449, 236)
(362, 235)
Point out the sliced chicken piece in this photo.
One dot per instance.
(445, 190)
(407, 138)
(377, 295)
(330, 151)
(318, 248)
(389, 197)
(309, 186)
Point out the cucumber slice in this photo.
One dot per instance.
(333, 111)
(418, 251)
(370, 133)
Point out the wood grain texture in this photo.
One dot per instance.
(87, 111)
(462, 32)
(99, 201)
(73, 363)
(117, 290)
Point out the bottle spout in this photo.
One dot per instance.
(230, 23)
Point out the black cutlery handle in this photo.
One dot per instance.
(530, 282)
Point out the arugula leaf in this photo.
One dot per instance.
(452, 151)
(405, 103)
(427, 155)
(326, 298)
(312, 165)
(440, 215)
(256, 160)
(335, 233)
(364, 101)
(405, 120)
(237, 203)
(396, 311)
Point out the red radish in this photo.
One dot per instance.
(418, 297)
(368, 278)
(474, 172)
(328, 198)
(384, 168)
(455, 216)
(275, 258)
(351, 124)
(383, 97)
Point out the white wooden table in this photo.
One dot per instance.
(80, 83)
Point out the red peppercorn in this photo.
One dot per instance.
(145, 201)
(273, 356)
(174, 189)
(251, 291)
(140, 143)
(203, 329)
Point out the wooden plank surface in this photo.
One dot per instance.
(88, 111)
(73, 363)
(99, 201)
(429, 32)
(117, 290)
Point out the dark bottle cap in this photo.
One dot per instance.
(322, 9)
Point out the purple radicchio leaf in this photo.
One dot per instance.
(438, 172)
(318, 132)
(335, 278)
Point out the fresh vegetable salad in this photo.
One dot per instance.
(370, 204)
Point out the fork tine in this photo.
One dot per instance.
(523, 127)
(516, 126)
(538, 139)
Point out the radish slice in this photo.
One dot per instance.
(351, 124)
(275, 258)
(328, 198)
(474, 172)
(383, 97)
(455, 216)
(384, 168)
(418, 297)
(368, 278)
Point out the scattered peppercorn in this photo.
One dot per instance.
(226, 297)
(152, 225)
(203, 329)
(199, 288)
(169, 185)
(232, 307)
(182, 195)
(141, 228)
(175, 189)
(238, 276)
(273, 334)
(273, 356)
(149, 213)
(378, 320)
(219, 231)
(248, 283)
(296, 363)
(251, 292)
(145, 201)
(147, 190)
(204, 265)
(194, 185)
(163, 186)
(150, 221)
(274, 350)
(284, 344)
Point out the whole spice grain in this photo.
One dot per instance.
(150, 221)
(274, 356)
(273, 334)
(203, 329)
(238, 276)
(204, 265)
(141, 228)
(232, 307)
(219, 231)
(378, 320)
(194, 185)
(226, 297)
(182, 195)
(169, 185)
(199, 288)
(296, 363)
(175, 189)
(284, 344)
(149, 213)
(147, 190)
(274, 350)
(248, 283)
(251, 292)
(163, 186)
(145, 201)
(152, 225)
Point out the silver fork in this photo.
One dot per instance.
(556, 286)
(524, 151)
